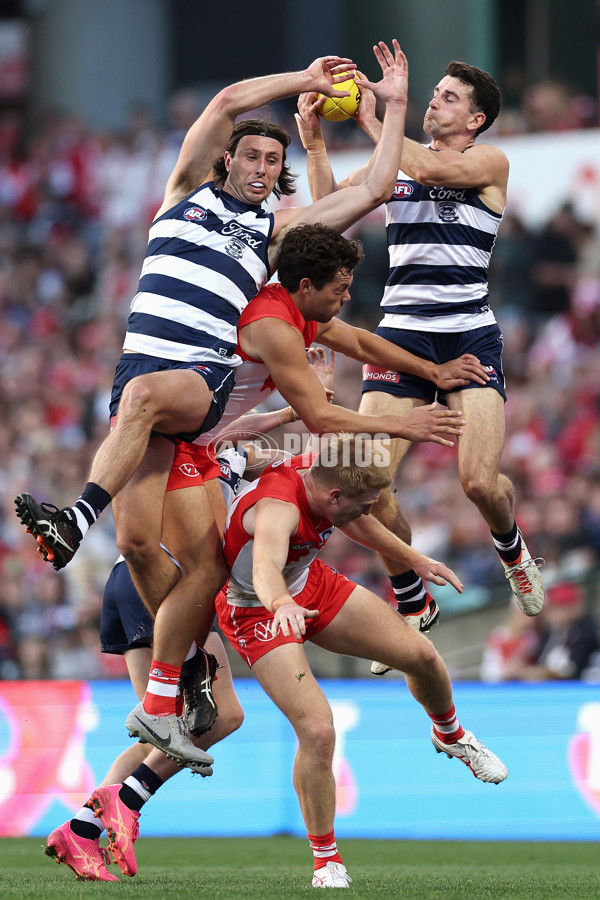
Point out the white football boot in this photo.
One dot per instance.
(484, 764)
(331, 875)
(526, 582)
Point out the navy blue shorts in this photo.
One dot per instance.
(125, 622)
(220, 379)
(440, 347)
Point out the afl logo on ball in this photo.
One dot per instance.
(195, 214)
(402, 190)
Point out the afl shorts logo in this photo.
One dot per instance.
(235, 248)
(201, 368)
(262, 632)
(190, 470)
(195, 214)
(448, 212)
(374, 373)
(403, 189)
(225, 469)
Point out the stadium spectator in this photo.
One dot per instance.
(511, 647)
(570, 640)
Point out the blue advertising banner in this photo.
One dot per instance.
(58, 739)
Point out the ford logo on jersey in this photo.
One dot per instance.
(195, 214)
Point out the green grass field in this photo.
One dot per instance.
(280, 867)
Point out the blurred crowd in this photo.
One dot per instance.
(560, 644)
(75, 207)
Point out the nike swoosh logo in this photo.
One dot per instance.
(164, 742)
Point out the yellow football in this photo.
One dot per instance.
(337, 109)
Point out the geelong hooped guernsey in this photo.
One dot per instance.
(281, 481)
(206, 259)
(440, 242)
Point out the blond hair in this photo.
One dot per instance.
(353, 463)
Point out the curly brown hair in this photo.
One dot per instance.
(316, 252)
(285, 182)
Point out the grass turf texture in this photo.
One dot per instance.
(281, 867)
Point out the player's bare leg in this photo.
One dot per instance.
(479, 453)
(401, 647)
(285, 675)
(413, 600)
(138, 515)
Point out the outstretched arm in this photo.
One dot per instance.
(250, 424)
(321, 179)
(279, 345)
(209, 134)
(369, 532)
(344, 208)
(357, 343)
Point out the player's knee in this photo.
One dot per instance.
(209, 577)
(204, 563)
(232, 716)
(426, 663)
(138, 548)
(139, 398)
(318, 737)
(476, 488)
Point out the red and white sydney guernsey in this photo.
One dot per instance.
(253, 384)
(281, 481)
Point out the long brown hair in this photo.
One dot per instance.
(285, 182)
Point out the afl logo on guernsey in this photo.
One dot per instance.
(225, 469)
(195, 214)
(402, 190)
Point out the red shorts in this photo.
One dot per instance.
(248, 628)
(192, 466)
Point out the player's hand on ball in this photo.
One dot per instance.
(327, 72)
(309, 104)
(337, 109)
(367, 106)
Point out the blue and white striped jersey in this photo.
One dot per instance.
(440, 242)
(206, 259)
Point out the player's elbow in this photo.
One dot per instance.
(226, 102)
(427, 176)
(321, 421)
(379, 192)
